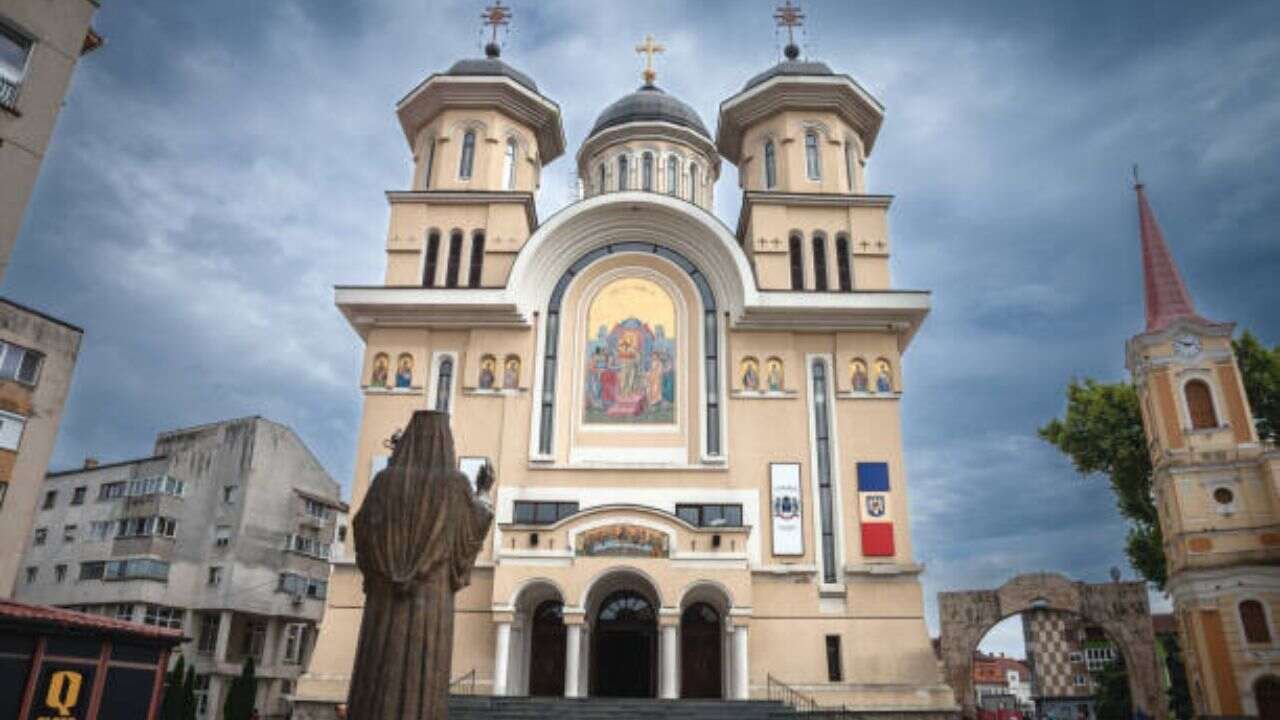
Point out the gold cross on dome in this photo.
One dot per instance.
(648, 48)
(790, 17)
(495, 16)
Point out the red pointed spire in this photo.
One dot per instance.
(1166, 294)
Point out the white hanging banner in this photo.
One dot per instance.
(788, 525)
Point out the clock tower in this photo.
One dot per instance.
(1217, 492)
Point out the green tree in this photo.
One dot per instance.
(189, 695)
(1260, 373)
(1102, 434)
(171, 705)
(1179, 693)
(1111, 693)
(240, 696)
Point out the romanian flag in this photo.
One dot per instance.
(874, 512)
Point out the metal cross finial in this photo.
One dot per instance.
(648, 48)
(790, 17)
(495, 16)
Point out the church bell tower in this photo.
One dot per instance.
(1216, 489)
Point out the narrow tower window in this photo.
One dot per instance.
(600, 183)
(431, 161)
(468, 155)
(673, 174)
(797, 263)
(812, 165)
(1200, 405)
(693, 183)
(842, 263)
(1254, 620)
(770, 166)
(646, 172)
(432, 261)
(455, 259)
(444, 383)
(835, 673)
(822, 451)
(850, 157)
(509, 164)
(819, 262)
(622, 172)
(477, 259)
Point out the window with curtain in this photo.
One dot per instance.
(444, 383)
(843, 260)
(477, 259)
(509, 165)
(646, 172)
(673, 175)
(819, 262)
(1200, 405)
(431, 261)
(467, 158)
(797, 262)
(622, 172)
(1254, 619)
(812, 164)
(770, 166)
(455, 259)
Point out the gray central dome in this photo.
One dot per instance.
(650, 104)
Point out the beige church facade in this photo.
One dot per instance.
(696, 431)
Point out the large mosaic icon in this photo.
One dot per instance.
(631, 355)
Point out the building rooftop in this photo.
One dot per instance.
(650, 104)
(790, 67)
(24, 613)
(489, 67)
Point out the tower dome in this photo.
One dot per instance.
(650, 104)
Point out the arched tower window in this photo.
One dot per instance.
(1200, 405)
(673, 175)
(819, 262)
(850, 157)
(467, 158)
(1254, 619)
(770, 165)
(797, 262)
(432, 260)
(509, 164)
(431, 161)
(646, 172)
(812, 164)
(477, 259)
(693, 182)
(455, 259)
(843, 259)
(444, 383)
(622, 172)
(600, 182)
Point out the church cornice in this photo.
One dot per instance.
(467, 197)
(751, 198)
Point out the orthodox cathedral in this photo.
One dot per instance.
(695, 428)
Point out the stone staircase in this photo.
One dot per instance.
(481, 707)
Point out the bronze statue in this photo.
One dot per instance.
(417, 535)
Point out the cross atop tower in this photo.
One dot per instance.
(649, 48)
(495, 16)
(790, 17)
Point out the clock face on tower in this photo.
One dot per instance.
(1187, 346)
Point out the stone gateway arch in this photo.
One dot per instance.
(1120, 608)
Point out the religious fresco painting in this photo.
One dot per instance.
(773, 374)
(488, 371)
(630, 373)
(884, 376)
(404, 370)
(381, 367)
(511, 373)
(750, 374)
(622, 541)
(858, 377)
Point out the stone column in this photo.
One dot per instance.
(224, 636)
(741, 670)
(668, 646)
(584, 677)
(572, 658)
(726, 659)
(501, 657)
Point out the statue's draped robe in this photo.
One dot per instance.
(417, 535)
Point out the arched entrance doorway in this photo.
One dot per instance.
(625, 646)
(547, 650)
(1266, 691)
(700, 657)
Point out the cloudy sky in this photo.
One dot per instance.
(218, 167)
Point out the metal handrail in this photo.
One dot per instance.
(779, 691)
(466, 681)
